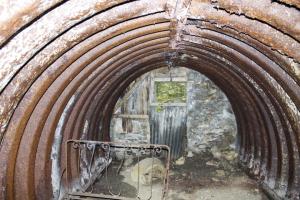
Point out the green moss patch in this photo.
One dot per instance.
(170, 92)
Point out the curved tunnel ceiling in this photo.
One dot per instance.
(64, 64)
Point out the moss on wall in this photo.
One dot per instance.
(170, 92)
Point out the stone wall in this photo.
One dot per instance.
(210, 120)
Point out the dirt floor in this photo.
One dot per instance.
(194, 177)
(203, 177)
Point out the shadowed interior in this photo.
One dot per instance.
(64, 65)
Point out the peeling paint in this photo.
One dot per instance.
(55, 153)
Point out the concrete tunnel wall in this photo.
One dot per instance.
(65, 63)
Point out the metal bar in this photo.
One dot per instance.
(80, 194)
(129, 116)
(168, 104)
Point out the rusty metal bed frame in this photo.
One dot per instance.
(98, 156)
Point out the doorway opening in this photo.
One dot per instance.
(185, 110)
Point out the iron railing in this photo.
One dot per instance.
(99, 170)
